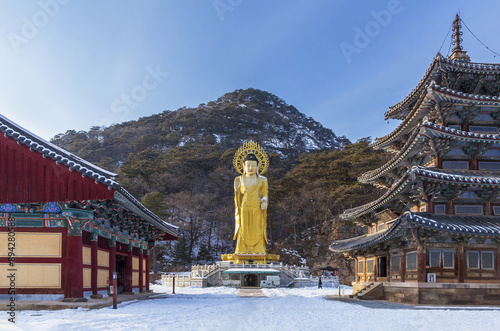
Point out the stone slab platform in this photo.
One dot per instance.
(251, 293)
(90, 304)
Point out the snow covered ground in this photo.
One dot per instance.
(283, 309)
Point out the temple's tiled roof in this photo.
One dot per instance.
(462, 177)
(400, 110)
(488, 226)
(473, 225)
(423, 132)
(87, 169)
(435, 93)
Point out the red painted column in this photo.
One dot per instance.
(147, 271)
(74, 267)
(93, 259)
(112, 261)
(127, 278)
(141, 270)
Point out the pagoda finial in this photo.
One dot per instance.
(458, 53)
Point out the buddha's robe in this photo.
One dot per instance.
(251, 219)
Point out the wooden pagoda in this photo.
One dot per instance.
(66, 225)
(434, 235)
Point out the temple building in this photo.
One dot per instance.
(434, 235)
(66, 225)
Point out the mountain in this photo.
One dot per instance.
(179, 163)
(227, 122)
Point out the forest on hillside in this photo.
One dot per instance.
(179, 164)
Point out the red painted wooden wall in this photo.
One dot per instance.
(27, 176)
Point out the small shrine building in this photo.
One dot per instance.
(434, 235)
(66, 225)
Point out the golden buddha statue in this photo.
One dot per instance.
(250, 199)
(251, 202)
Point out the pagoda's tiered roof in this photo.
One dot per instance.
(438, 66)
(485, 226)
(419, 173)
(415, 143)
(427, 102)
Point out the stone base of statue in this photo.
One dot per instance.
(250, 258)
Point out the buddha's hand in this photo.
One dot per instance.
(263, 203)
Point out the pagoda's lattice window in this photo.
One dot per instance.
(481, 260)
(369, 266)
(489, 165)
(460, 165)
(411, 261)
(396, 263)
(442, 259)
(487, 260)
(469, 209)
(440, 209)
(361, 266)
(496, 210)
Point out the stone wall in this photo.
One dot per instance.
(443, 293)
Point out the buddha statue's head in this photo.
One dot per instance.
(251, 165)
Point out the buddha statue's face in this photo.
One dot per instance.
(251, 168)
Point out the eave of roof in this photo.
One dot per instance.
(462, 177)
(435, 93)
(438, 64)
(73, 162)
(423, 132)
(485, 226)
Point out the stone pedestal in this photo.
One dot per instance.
(254, 258)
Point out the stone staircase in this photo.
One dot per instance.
(372, 291)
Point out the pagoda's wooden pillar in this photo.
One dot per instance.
(141, 271)
(473, 162)
(449, 209)
(487, 208)
(388, 267)
(112, 261)
(430, 206)
(461, 264)
(421, 265)
(465, 126)
(403, 266)
(147, 271)
(438, 162)
(365, 271)
(356, 271)
(74, 267)
(127, 278)
(93, 259)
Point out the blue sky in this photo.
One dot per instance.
(75, 64)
